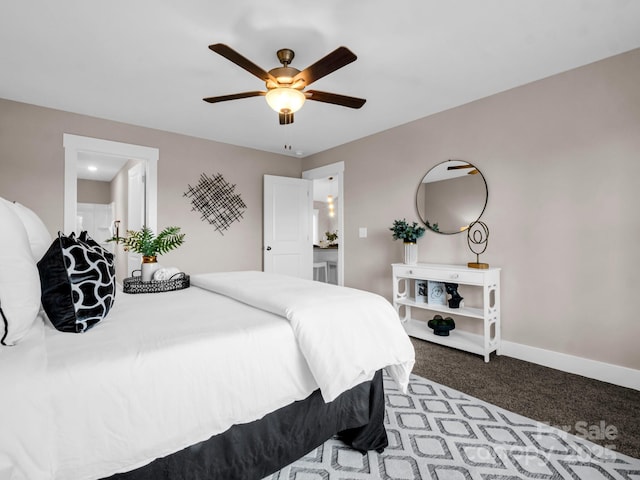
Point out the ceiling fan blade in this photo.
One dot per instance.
(234, 96)
(473, 172)
(458, 167)
(343, 100)
(243, 62)
(340, 57)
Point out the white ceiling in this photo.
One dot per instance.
(147, 63)
(98, 167)
(441, 171)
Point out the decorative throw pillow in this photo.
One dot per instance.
(39, 236)
(19, 284)
(78, 282)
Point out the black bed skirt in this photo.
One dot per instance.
(254, 450)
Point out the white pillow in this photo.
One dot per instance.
(39, 237)
(19, 279)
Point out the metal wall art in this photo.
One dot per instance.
(216, 201)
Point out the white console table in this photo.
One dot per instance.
(404, 278)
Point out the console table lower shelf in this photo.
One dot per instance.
(409, 285)
(459, 339)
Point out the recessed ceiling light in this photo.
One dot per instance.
(92, 168)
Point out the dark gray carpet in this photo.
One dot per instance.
(436, 432)
(603, 413)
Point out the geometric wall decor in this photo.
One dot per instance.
(216, 201)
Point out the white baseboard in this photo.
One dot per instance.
(606, 372)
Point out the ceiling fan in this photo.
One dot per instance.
(474, 170)
(285, 85)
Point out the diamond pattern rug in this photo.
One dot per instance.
(439, 433)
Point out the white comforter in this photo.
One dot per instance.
(345, 334)
(164, 371)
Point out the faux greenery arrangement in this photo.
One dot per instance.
(332, 237)
(149, 245)
(405, 232)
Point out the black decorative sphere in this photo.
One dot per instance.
(441, 326)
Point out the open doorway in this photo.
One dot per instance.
(96, 204)
(328, 222)
(107, 183)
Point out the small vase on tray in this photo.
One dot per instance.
(148, 267)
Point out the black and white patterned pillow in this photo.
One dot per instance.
(78, 282)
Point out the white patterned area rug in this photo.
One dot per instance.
(437, 433)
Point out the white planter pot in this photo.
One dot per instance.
(147, 270)
(410, 253)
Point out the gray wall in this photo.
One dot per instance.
(93, 191)
(561, 160)
(32, 167)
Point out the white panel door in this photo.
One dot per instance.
(97, 220)
(288, 206)
(136, 218)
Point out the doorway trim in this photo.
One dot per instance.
(336, 170)
(74, 144)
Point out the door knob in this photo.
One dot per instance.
(268, 248)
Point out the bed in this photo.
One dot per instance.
(235, 377)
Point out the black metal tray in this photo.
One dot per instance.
(136, 285)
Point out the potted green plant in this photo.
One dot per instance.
(409, 234)
(149, 245)
(332, 237)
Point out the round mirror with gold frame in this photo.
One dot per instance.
(451, 196)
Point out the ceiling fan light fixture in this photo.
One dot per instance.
(284, 99)
(285, 84)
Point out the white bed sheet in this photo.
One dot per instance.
(146, 381)
(25, 422)
(345, 334)
(110, 412)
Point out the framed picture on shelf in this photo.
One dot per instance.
(436, 293)
(421, 291)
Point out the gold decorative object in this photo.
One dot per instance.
(478, 239)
